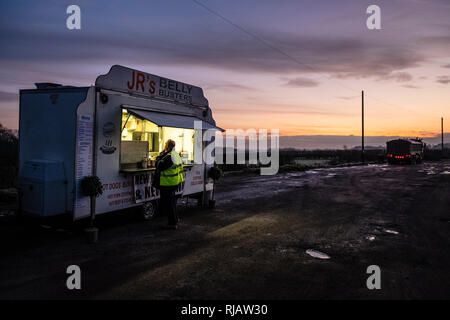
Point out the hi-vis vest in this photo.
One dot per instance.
(174, 175)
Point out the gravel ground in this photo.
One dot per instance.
(253, 245)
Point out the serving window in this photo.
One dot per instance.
(142, 140)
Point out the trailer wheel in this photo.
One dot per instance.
(147, 210)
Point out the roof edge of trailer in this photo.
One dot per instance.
(406, 140)
(131, 81)
(54, 89)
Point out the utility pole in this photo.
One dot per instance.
(362, 127)
(442, 135)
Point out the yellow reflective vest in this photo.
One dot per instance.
(174, 175)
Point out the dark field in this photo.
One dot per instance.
(253, 244)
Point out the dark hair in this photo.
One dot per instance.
(170, 144)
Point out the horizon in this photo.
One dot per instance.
(335, 142)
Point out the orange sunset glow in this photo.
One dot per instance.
(299, 68)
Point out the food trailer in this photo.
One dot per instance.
(113, 130)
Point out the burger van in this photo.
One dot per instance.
(113, 130)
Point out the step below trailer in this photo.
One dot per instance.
(113, 130)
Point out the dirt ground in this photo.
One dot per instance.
(253, 244)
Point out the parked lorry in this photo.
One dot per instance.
(405, 151)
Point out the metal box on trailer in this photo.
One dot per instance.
(43, 187)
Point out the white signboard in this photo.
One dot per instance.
(143, 190)
(134, 81)
(83, 161)
(193, 180)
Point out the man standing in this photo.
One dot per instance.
(170, 166)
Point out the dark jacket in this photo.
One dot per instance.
(163, 161)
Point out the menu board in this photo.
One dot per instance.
(83, 162)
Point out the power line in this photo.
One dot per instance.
(268, 44)
(297, 61)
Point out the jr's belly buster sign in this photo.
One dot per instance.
(126, 79)
(162, 87)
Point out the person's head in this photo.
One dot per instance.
(170, 145)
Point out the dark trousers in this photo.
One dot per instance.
(168, 203)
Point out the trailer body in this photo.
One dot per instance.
(405, 151)
(113, 130)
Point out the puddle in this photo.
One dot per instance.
(391, 231)
(445, 172)
(317, 254)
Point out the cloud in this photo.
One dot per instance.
(446, 66)
(8, 97)
(439, 41)
(344, 57)
(349, 97)
(397, 76)
(438, 46)
(443, 79)
(410, 86)
(275, 111)
(229, 86)
(300, 82)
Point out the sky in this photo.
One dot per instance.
(297, 66)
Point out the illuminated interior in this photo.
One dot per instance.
(143, 140)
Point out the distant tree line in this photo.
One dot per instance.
(9, 157)
(289, 158)
(436, 154)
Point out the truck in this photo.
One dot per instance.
(112, 130)
(405, 151)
